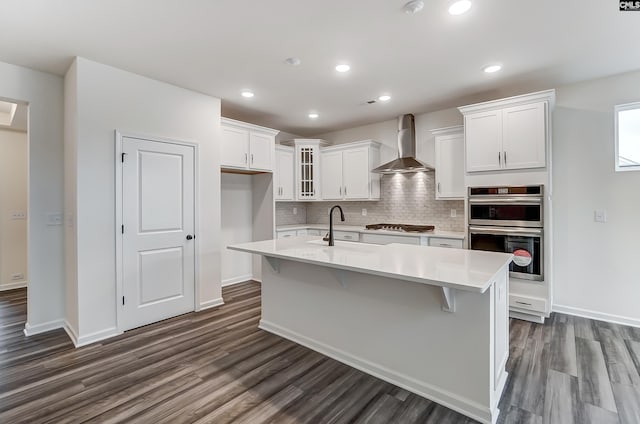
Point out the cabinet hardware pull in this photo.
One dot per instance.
(499, 159)
(245, 158)
(345, 190)
(523, 303)
(438, 187)
(251, 158)
(340, 191)
(505, 158)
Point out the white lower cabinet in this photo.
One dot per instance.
(286, 234)
(388, 239)
(314, 232)
(445, 242)
(346, 235)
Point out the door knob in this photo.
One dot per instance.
(189, 237)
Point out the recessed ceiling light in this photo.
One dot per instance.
(293, 61)
(343, 68)
(414, 6)
(459, 7)
(490, 69)
(313, 115)
(248, 94)
(384, 98)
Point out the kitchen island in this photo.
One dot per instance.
(431, 320)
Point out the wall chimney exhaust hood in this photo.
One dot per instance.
(406, 161)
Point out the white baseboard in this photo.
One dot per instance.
(526, 317)
(93, 337)
(236, 280)
(71, 332)
(599, 316)
(210, 304)
(443, 397)
(13, 285)
(31, 330)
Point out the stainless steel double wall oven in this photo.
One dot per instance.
(511, 220)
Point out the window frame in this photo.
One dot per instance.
(616, 111)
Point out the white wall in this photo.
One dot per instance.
(44, 94)
(596, 269)
(13, 197)
(110, 99)
(386, 132)
(237, 226)
(70, 199)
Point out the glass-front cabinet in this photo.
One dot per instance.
(307, 169)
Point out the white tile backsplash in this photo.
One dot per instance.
(405, 199)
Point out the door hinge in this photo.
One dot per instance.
(123, 300)
(122, 157)
(122, 229)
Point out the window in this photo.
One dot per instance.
(627, 123)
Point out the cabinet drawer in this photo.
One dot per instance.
(346, 235)
(286, 234)
(302, 232)
(526, 302)
(388, 239)
(313, 232)
(445, 242)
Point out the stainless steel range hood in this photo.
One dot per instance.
(406, 161)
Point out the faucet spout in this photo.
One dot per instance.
(331, 242)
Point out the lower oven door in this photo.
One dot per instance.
(526, 244)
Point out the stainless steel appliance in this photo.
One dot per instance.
(406, 161)
(511, 220)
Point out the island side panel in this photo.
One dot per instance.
(390, 328)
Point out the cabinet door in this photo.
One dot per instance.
(483, 140)
(450, 167)
(356, 173)
(284, 172)
(261, 151)
(332, 177)
(524, 135)
(307, 176)
(234, 150)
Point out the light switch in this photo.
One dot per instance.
(364, 212)
(454, 213)
(600, 215)
(295, 211)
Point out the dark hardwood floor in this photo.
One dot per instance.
(218, 367)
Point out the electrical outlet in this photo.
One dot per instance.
(454, 213)
(17, 276)
(15, 215)
(54, 219)
(364, 212)
(600, 215)
(295, 211)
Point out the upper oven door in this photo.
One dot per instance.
(512, 211)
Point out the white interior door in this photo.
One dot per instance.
(158, 244)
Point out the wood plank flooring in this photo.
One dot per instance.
(218, 367)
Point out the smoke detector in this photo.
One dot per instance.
(414, 6)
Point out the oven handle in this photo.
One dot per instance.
(506, 231)
(502, 200)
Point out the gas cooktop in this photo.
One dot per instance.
(401, 227)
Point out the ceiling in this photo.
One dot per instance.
(425, 61)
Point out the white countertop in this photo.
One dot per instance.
(361, 229)
(470, 270)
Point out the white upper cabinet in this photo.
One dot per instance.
(449, 147)
(246, 147)
(307, 167)
(510, 133)
(346, 171)
(283, 173)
